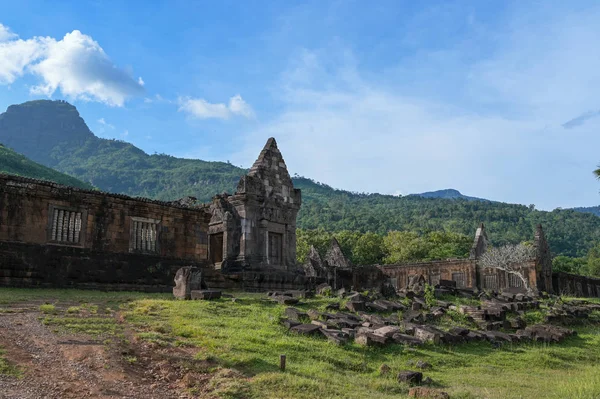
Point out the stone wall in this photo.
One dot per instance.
(575, 285)
(113, 241)
(461, 270)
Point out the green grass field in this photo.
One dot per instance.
(241, 343)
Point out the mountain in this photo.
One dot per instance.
(595, 210)
(16, 164)
(53, 134)
(448, 193)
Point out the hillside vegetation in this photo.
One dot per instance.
(16, 164)
(53, 134)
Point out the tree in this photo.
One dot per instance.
(569, 265)
(368, 249)
(593, 261)
(597, 172)
(509, 258)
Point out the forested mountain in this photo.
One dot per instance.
(591, 209)
(53, 133)
(448, 193)
(16, 164)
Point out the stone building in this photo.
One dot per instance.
(255, 228)
(57, 236)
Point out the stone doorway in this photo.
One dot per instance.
(216, 249)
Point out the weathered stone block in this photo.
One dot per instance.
(295, 314)
(305, 329)
(187, 279)
(410, 377)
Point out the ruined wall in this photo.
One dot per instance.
(575, 285)
(463, 271)
(493, 279)
(109, 246)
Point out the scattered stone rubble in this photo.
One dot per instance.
(377, 322)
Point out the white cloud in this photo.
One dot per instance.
(125, 133)
(76, 65)
(6, 34)
(102, 122)
(359, 132)
(141, 81)
(202, 109)
(238, 106)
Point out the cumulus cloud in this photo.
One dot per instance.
(6, 34)
(202, 109)
(76, 65)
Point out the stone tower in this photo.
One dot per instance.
(255, 229)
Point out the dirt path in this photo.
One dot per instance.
(70, 366)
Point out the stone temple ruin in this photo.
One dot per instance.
(57, 236)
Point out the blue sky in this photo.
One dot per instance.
(497, 99)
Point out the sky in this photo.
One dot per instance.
(499, 100)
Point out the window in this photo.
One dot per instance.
(460, 280)
(144, 235)
(275, 249)
(65, 225)
(514, 281)
(490, 282)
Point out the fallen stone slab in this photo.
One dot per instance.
(548, 333)
(459, 331)
(374, 307)
(405, 339)
(205, 294)
(428, 334)
(355, 306)
(314, 314)
(285, 300)
(410, 377)
(287, 323)
(387, 331)
(295, 314)
(371, 339)
(338, 337)
(391, 305)
(305, 329)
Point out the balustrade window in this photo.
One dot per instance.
(460, 280)
(65, 226)
(144, 235)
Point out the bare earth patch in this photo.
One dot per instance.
(78, 366)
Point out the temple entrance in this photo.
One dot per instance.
(216, 249)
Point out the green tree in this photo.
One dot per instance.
(593, 261)
(368, 250)
(569, 265)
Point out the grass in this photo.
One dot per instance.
(240, 342)
(247, 337)
(7, 369)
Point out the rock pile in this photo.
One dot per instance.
(378, 322)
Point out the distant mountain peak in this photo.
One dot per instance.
(448, 193)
